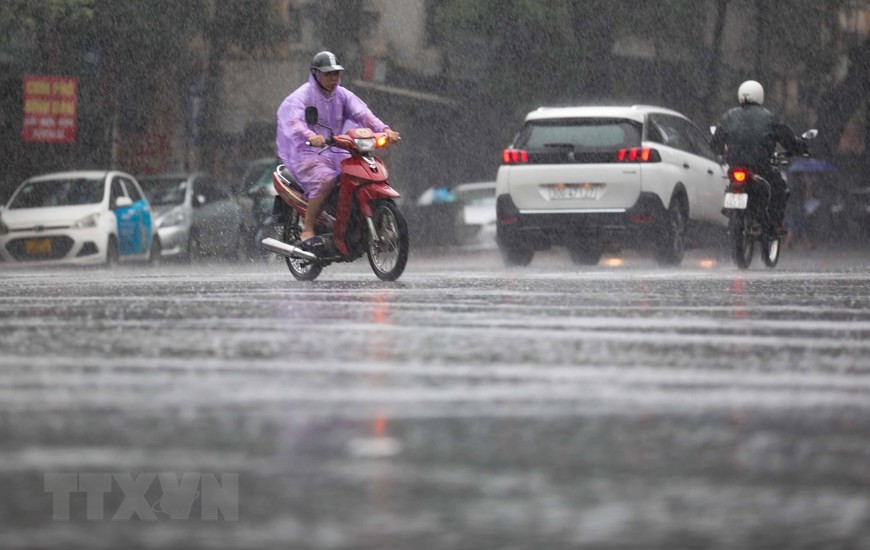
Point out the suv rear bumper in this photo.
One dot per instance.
(644, 222)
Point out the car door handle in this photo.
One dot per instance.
(685, 165)
(710, 171)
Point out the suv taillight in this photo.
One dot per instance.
(514, 156)
(638, 154)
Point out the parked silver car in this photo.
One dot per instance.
(476, 225)
(195, 216)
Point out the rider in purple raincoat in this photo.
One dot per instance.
(339, 109)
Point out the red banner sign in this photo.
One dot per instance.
(50, 109)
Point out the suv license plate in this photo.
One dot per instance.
(736, 200)
(583, 191)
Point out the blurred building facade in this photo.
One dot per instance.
(428, 86)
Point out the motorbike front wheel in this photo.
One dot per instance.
(388, 253)
(302, 270)
(743, 242)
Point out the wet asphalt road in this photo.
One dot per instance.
(465, 406)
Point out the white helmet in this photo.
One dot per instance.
(751, 92)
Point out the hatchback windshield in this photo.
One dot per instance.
(59, 192)
(580, 134)
(164, 191)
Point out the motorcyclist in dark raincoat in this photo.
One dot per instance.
(747, 136)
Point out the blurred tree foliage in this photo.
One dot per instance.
(44, 26)
(16, 15)
(562, 50)
(143, 45)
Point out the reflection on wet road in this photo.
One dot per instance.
(462, 407)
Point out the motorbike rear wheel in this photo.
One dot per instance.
(302, 270)
(389, 253)
(770, 248)
(742, 240)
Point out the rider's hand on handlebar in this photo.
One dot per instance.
(317, 141)
(392, 136)
(803, 148)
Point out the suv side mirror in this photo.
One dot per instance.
(311, 115)
(123, 202)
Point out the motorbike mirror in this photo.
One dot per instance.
(311, 115)
(810, 134)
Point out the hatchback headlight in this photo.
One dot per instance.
(87, 221)
(173, 217)
(365, 144)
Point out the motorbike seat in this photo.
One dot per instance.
(288, 179)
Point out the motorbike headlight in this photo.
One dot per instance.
(173, 217)
(87, 221)
(365, 144)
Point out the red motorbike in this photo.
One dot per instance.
(359, 217)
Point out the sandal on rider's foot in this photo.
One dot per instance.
(314, 244)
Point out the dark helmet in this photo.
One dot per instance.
(325, 62)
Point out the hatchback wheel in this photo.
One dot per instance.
(113, 256)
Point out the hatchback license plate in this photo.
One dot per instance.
(736, 200)
(38, 246)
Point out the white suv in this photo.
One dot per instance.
(588, 177)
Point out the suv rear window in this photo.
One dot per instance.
(577, 140)
(583, 134)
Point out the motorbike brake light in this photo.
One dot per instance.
(514, 156)
(638, 154)
(740, 175)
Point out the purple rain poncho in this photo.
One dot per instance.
(340, 111)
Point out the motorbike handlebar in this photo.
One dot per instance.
(329, 141)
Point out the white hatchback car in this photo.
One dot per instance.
(81, 217)
(589, 177)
